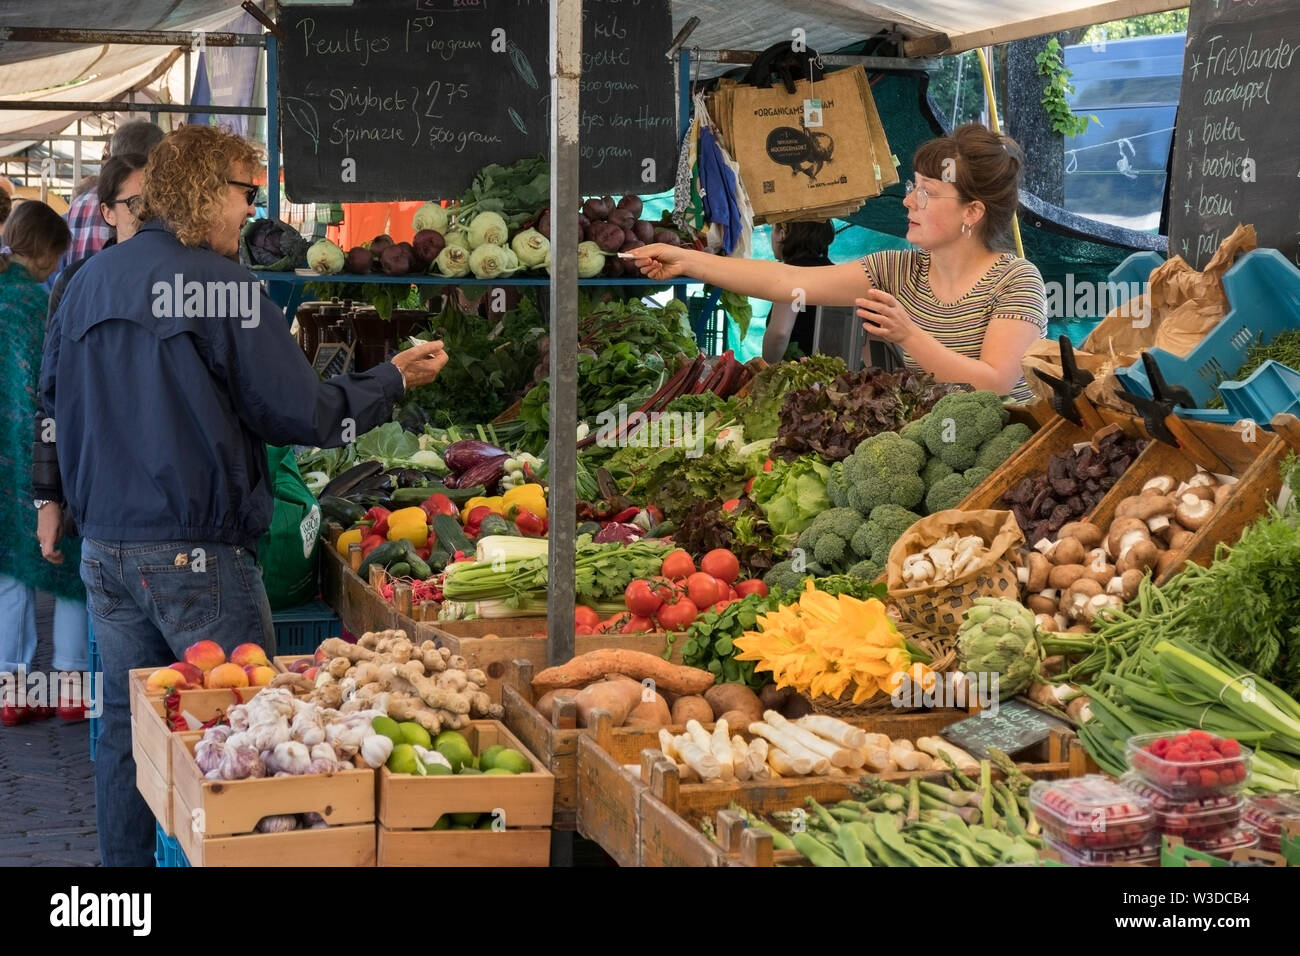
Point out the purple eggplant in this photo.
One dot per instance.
(460, 456)
(487, 472)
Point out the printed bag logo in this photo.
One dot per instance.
(804, 152)
(310, 528)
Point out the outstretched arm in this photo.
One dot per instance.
(757, 278)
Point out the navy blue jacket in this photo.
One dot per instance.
(168, 369)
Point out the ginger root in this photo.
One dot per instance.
(337, 647)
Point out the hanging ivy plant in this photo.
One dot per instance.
(1051, 66)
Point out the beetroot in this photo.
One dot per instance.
(630, 245)
(608, 236)
(359, 261)
(427, 244)
(644, 229)
(622, 218)
(667, 237)
(379, 244)
(597, 210)
(632, 204)
(397, 259)
(544, 222)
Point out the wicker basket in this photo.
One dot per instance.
(939, 610)
(943, 657)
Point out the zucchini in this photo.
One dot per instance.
(450, 536)
(383, 555)
(345, 482)
(341, 510)
(410, 497)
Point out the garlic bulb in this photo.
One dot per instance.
(376, 749)
(289, 757)
(279, 823)
(269, 735)
(207, 753)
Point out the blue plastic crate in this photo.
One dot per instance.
(167, 850)
(1263, 291)
(299, 630)
(95, 668)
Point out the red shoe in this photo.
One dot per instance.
(74, 711)
(13, 716)
(40, 713)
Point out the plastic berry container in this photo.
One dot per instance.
(1225, 844)
(1142, 854)
(1195, 819)
(1266, 814)
(1189, 764)
(1091, 813)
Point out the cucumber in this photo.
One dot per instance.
(400, 569)
(451, 537)
(383, 555)
(341, 510)
(410, 497)
(416, 565)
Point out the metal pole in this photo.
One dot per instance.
(177, 38)
(566, 70)
(129, 106)
(273, 130)
(76, 159)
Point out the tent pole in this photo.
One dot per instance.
(272, 127)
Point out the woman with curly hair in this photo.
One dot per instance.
(168, 370)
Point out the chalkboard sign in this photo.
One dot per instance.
(1235, 158)
(1014, 727)
(407, 99)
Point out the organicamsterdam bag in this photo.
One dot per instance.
(287, 552)
(938, 609)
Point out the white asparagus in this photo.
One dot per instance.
(933, 745)
(837, 755)
(902, 742)
(699, 735)
(908, 758)
(792, 747)
(687, 773)
(878, 760)
(875, 741)
(764, 772)
(668, 745)
(740, 758)
(756, 755)
(721, 746)
(787, 766)
(699, 760)
(835, 730)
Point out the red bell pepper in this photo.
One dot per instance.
(475, 518)
(529, 524)
(439, 504)
(370, 542)
(377, 517)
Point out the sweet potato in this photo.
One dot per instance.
(649, 714)
(635, 664)
(723, 698)
(616, 696)
(692, 708)
(547, 701)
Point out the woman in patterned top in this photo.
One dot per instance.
(960, 305)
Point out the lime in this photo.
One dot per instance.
(413, 733)
(403, 759)
(486, 822)
(464, 819)
(444, 823)
(449, 735)
(514, 761)
(486, 760)
(389, 728)
(434, 769)
(457, 753)
(467, 769)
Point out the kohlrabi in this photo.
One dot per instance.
(531, 247)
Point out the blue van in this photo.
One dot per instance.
(1115, 171)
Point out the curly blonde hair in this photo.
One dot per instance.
(185, 179)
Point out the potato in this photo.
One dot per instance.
(797, 706)
(546, 705)
(738, 719)
(650, 714)
(692, 708)
(774, 698)
(616, 696)
(735, 697)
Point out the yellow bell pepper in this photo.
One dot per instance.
(531, 497)
(497, 504)
(346, 538)
(411, 524)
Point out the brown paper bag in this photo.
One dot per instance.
(939, 609)
(788, 167)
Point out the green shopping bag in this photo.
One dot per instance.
(287, 552)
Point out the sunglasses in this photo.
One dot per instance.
(250, 191)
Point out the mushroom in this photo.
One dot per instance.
(1099, 604)
(1038, 572)
(1221, 494)
(1079, 709)
(1062, 622)
(1052, 665)
(1080, 629)
(1079, 594)
(1045, 621)
(1087, 533)
(1160, 485)
(1064, 576)
(1168, 561)
(1042, 606)
(1124, 533)
(1044, 546)
(1180, 539)
(1203, 492)
(1142, 556)
(1097, 559)
(1202, 479)
(1193, 512)
(1068, 551)
(1101, 575)
(1155, 510)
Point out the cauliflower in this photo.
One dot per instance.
(884, 469)
(948, 492)
(1001, 446)
(960, 423)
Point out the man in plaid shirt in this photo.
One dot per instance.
(89, 231)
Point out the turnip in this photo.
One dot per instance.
(632, 204)
(488, 261)
(360, 261)
(456, 236)
(453, 261)
(488, 228)
(531, 247)
(591, 259)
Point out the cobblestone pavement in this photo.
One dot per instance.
(47, 792)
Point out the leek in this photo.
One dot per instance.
(504, 547)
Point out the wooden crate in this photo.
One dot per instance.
(215, 820)
(670, 812)
(359, 608)
(151, 740)
(612, 774)
(408, 801)
(464, 847)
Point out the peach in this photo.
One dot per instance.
(259, 675)
(249, 655)
(320, 657)
(311, 672)
(205, 655)
(227, 675)
(164, 678)
(193, 676)
(301, 665)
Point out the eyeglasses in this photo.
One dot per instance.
(250, 191)
(130, 202)
(922, 196)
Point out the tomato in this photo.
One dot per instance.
(703, 589)
(730, 505)
(678, 564)
(584, 629)
(752, 586)
(749, 486)
(371, 542)
(636, 625)
(722, 564)
(720, 606)
(585, 615)
(667, 590)
(642, 599)
(733, 594)
(679, 616)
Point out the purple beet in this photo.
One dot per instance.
(427, 244)
(608, 236)
(622, 218)
(644, 229)
(630, 245)
(544, 222)
(359, 261)
(397, 259)
(597, 210)
(632, 204)
(380, 243)
(667, 237)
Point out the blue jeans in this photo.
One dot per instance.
(147, 609)
(18, 641)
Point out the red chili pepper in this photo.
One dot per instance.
(529, 524)
(378, 518)
(625, 516)
(730, 505)
(439, 504)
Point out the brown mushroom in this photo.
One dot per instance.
(1203, 492)
(1155, 510)
(1080, 629)
(1170, 560)
(1143, 556)
(1079, 594)
(1193, 512)
(1042, 606)
(1128, 507)
(1039, 570)
(1064, 575)
(1124, 533)
(1085, 532)
(1068, 551)
(1221, 493)
(1202, 479)
(1180, 539)
(1160, 485)
(1097, 559)
(1046, 621)
(1126, 585)
(1052, 665)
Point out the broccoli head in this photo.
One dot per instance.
(959, 424)
(933, 471)
(884, 469)
(860, 544)
(829, 549)
(886, 525)
(783, 575)
(914, 431)
(948, 493)
(836, 490)
(826, 540)
(865, 570)
(976, 475)
(1001, 446)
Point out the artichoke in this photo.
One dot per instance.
(998, 636)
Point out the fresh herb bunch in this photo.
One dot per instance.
(518, 191)
(832, 420)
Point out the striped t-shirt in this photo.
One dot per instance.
(1011, 289)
